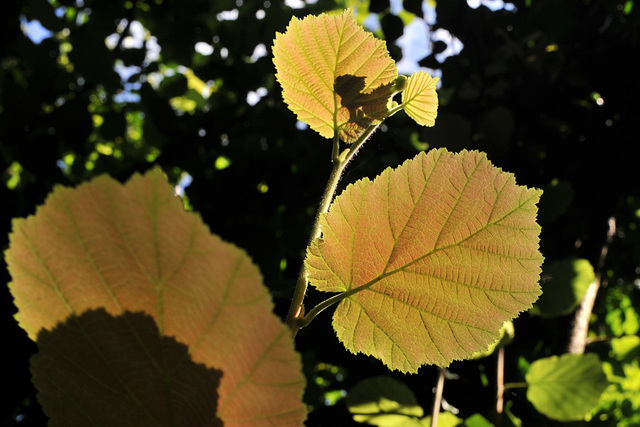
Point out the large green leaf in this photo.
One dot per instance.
(130, 249)
(334, 75)
(566, 388)
(435, 256)
(383, 401)
(566, 283)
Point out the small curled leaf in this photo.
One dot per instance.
(420, 100)
(400, 84)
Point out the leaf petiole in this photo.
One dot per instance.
(304, 321)
(340, 161)
(394, 109)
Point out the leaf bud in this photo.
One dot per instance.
(400, 83)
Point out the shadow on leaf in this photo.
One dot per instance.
(365, 106)
(101, 370)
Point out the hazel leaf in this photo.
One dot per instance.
(335, 76)
(420, 100)
(566, 387)
(433, 256)
(132, 248)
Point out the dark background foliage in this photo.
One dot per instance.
(548, 90)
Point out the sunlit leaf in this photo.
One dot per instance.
(566, 388)
(621, 399)
(507, 333)
(626, 348)
(435, 255)
(334, 75)
(623, 316)
(477, 420)
(383, 401)
(445, 419)
(420, 100)
(133, 249)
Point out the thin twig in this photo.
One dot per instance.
(437, 398)
(499, 386)
(581, 319)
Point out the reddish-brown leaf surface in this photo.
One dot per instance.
(132, 248)
(435, 254)
(334, 75)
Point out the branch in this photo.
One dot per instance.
(581, 320)
(499, 386)
(437, 399)
(296, 318)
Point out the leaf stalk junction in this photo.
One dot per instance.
(296, 318)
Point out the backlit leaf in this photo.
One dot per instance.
(420, 100)
(507, 332)
(383, 401)
(436, 255)
(566, 388)
(445, 419)
(334, 75)
(133, 249)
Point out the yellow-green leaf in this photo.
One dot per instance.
(335, 76)
(383, 401)
(436, 255)
(566, 283)
(568, 387)
(420, 100)
(133, 249)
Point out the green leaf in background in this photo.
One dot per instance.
(620, 402)
(383, 401)
(445, 419)
(566, 388)
(506, 336)
(626, 349)
(622, 316)
(563, 286)
(555, 201)
(476, 420)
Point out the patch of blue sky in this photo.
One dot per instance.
(34, 30)
(298, 4)
(137, 39)
(185, 181)
(417, 37)
(492, 4)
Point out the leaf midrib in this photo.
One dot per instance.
(404, 267)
